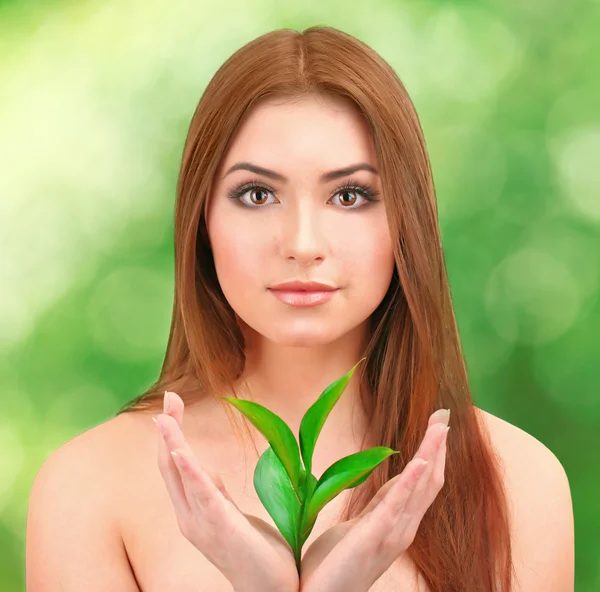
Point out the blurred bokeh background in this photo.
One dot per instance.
(95, 102)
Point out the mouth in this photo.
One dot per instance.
(304, 298)
(301, 286)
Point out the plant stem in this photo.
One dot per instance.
(299, 536)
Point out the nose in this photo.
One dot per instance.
(303, 235)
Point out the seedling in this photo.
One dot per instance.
(285, 485)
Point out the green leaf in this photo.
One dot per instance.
(302, 485)
(275, 491)
(277, 432)
(306, 528)
(314, 418)
(346, 473)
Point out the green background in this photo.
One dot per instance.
(95, 101)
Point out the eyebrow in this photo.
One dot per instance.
(325, 177)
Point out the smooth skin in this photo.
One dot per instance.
(253, 555)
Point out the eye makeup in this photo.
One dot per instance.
(365, 190)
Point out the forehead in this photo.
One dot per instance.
(322, 132)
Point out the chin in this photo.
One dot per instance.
(306, 338)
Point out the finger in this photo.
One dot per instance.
(368, 539)
(409, 512)
(439, 470)
(424, 494)
(217, 482)
(170, 474)
(201, 491)
(173, 433)
(176, 440)
(424, 452)
(429, 447)
(191, 482)
(372, 534)
(392, 515)
(405, 481)
(174, 407)
(221, 532)
(440, 415)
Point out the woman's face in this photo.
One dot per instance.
(300, 227)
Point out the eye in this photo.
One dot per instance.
(365, 191)
(351, 187)
(253, 186)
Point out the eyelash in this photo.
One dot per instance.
(367, 191)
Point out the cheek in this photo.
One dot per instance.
(238, 251)
(361, 256)
(368, 258)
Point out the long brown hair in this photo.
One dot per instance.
(414, 362)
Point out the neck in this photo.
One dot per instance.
(289, 379)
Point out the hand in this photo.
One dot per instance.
(351, 556)
(248, 551)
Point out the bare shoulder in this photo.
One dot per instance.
(107, 434)
(523, 457)
(101, 446)
(76, 493)
(541, 508)
(509, 441)
(96, 461)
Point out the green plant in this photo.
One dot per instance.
(288, 490)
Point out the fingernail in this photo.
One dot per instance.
(446, 416)
(159, 425)
(179, 459)
(166, 403)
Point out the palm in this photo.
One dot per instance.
(280, 555)
(283, 557)
(318, 550)
(324, 544)
(262, 554)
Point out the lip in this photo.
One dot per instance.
(303, 298)
(298, 286)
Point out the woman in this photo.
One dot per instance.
(305, 162)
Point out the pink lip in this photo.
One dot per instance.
(303, 298)
(298, 286)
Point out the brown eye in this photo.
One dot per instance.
(350, 191)
(255, 191)
(348, 202)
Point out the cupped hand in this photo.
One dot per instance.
(351, 556)
(248, 551)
